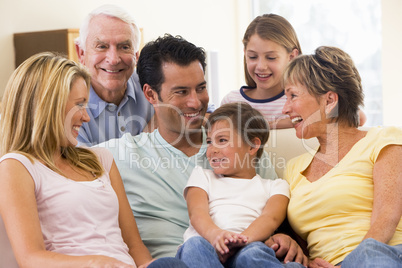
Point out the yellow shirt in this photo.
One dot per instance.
(333, 213)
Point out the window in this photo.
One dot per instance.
(352, 25)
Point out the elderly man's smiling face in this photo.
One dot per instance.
(109, 55)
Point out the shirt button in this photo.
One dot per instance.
(123, 129)
(111, 107)
(118, 113)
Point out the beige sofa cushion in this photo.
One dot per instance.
(283, 145)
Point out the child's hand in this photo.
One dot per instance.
(233, 247)
(226, 240)
(223, 258)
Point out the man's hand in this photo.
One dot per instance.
(285, 247)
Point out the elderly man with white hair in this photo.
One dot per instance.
(108, 46)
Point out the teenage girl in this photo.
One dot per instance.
(270, 43)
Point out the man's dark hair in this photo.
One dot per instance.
(166, 49)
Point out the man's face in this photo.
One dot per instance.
(183, 99)
(109, 55)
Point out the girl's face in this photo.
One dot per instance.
(227, 153)
(266, 61)
(76, 112)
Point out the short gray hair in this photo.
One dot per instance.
(111, 11)
(329, 69)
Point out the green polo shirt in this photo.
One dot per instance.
(155, 174)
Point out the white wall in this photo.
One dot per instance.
(392, 61)
(214, 25)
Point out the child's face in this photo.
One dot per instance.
(227, 153)
(266, 61)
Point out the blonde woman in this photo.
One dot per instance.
(61, 205)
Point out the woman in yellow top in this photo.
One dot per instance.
(346, 197)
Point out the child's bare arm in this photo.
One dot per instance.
(198, 209)
(271, 217)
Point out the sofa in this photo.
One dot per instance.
(282, 146)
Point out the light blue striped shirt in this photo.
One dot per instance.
(109, 121)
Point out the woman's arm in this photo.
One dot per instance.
(271, 217)
(387, 204)
(128, 225)
(19, 212)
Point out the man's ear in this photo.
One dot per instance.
(80, 54)
(256, 144)
(137, 54)
(150, 94)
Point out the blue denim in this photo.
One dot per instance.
(371, 253)
(293, 265)
(167, 262)
(198, 252)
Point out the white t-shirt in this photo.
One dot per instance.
(233, 203)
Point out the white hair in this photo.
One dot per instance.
(111, 11)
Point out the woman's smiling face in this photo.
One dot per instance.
(76, 112)
(306, 111)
